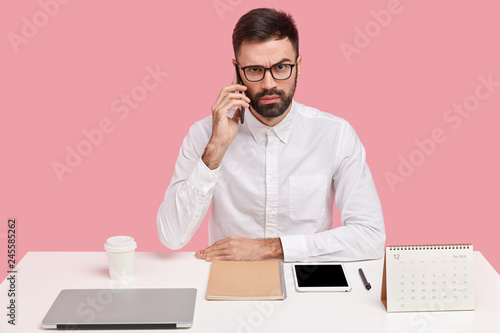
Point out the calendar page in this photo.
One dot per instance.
(428, 278)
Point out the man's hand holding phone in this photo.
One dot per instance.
(224, 129)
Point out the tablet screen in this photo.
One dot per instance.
(331, 275)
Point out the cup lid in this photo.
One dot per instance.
(120, 244)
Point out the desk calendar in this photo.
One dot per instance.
(428, 278)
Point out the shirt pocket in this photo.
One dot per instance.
(307, 197)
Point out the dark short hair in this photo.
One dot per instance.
(264, 24)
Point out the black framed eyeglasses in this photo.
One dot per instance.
(278, 72)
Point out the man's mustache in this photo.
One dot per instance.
(269, 92)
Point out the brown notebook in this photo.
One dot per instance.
(246, 281)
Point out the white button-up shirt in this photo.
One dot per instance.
(281, 182)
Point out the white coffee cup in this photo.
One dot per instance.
(120, 250)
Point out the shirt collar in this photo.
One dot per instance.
(282, 129)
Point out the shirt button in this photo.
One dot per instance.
(271, 180)
(197, 214)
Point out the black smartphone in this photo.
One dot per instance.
(238, 78)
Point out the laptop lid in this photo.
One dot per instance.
(122, 309)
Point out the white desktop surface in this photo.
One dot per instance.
(41, 275)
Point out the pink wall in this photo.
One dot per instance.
(400, 83)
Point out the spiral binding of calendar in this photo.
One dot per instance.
(464, 246)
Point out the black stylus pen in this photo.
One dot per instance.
(363, 278)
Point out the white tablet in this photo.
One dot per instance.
(320, 277)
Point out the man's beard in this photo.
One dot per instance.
(271, 110)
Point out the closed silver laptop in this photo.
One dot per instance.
(122, 309)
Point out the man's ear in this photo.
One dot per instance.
(234, 62)
(299, 65)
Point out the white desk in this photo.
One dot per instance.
(41, 275)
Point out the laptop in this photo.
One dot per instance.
(122, 309)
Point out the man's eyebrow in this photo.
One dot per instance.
(283, 60)
(279, 62)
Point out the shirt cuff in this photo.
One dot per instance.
(294, 248)
(202, 178)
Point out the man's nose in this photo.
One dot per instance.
(268, 82)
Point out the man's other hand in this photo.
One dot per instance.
(241, 248)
